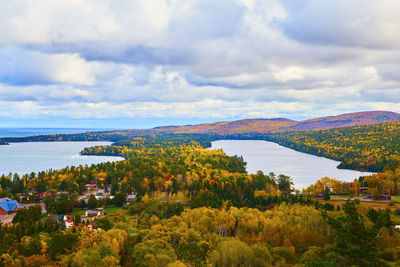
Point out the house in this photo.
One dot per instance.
(5, 199)
(92, 213)
(63, 219)
(59, 218)
(40, 197)
(69, 223)
(99, 196)
(92, 186)
(364, 190)
(9, 205)
(100, 191)
(131, 197)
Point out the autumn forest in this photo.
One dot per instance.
(194, 206)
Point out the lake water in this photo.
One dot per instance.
(21, 132)
(305, 169)
(23, 158)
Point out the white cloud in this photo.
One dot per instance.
(158, 58)
(290, 73)
(362, 23)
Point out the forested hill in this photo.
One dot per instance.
(373, 148)
(347, 120)
(246, 126)
(276, 125)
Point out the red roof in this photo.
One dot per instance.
(69, 221)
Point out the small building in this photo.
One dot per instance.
(131, 197)
(69, 223)
(100, 192)
(84, 221)
(59, 218)
(64, 220)
(92, 213)
(9, 206)
(364, 190)
(5, 199)
(99, 196)
(92, 186)
(40, 197)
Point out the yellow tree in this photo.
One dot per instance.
(356, 187)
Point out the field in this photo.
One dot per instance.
(376, 204)
(107, 210)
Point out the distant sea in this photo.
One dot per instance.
(24, 158)
(21, 132)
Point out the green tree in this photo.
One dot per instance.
(77, 219)
(356, 242)
(82, 204)
(194, 253)
(104, 223)
(92, 202)
(232, 253)
(114, 187)
(285, 183)
(120, 199)
(60, 243)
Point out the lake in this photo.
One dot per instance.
(305, 169)
(21, 132)
(23, 158)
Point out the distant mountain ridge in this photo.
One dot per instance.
(347, 120)
(260, 125)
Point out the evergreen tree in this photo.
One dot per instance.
(92, 203)
(356, 242)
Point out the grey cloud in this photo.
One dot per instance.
(362, 23)
(198, 58)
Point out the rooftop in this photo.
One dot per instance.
(10, 205)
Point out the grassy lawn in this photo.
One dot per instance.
(112, 209)
(78, 212)
(376, 204)
(333, 197)
(107, 210)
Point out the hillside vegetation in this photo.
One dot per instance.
(194, 207)
(246, 126)
(276, 125)
(373, 148)
(366, 148)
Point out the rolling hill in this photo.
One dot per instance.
(225, 128)
(346, 120)
(275, 125)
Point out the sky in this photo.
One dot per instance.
(144, 63)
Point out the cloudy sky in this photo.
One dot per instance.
(141, 63)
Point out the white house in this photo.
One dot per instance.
(68, 223)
